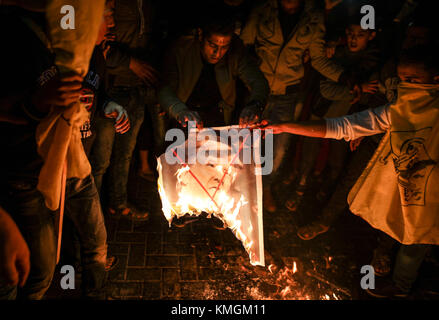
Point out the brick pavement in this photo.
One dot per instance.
(201, 262)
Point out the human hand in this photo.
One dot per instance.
(86, 98)
(356, 93)
(116, 111)
(276, 128)
(144, 71)
(250, 115)
(58, 92)
(330, 52)
(370, 87)
(353, 144)
(306, 57)
(184, 116)
(14, 253)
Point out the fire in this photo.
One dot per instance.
(192, 200)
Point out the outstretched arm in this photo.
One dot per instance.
(366, 123)
(315, 129)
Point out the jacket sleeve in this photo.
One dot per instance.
(116, 57)
(167, 96)
(253, 78)
(319, 60)
(334, 91)
(249, 32)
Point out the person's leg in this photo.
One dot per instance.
(338, 201)
(279, 109)
(381, 261)
(408, 261)
(310, 152)
(145, 143)
(123, 150)
(102, 149)
(158, 120)
(338, 153)
(36, 223)
(84, 210)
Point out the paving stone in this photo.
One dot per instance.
(130, 237)
(146, 274)
(192, 290)
(171, 290)
(161, 261)
(124, 289)
(117, 248)
(170, 236)
(200, 262)
(170, 274)
(210, 274)
(125, 224)
(118, 273)
(137, 255)
(152, 290)
(170, 248)
(154, 243)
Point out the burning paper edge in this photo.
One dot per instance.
(167, 208)
(258, 175)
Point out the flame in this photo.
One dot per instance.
(223, 206)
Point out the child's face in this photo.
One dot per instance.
(358, 38)
(414, 73)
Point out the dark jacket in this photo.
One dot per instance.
(26, 65)
(183, 65)
(134, 33)
(365, 65)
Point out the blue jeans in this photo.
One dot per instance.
(408, 261)
(26, 206)
(280, 108)
(114, 151)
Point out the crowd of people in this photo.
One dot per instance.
(302, 67)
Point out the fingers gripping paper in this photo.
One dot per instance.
(215, 176)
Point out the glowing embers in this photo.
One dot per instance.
(222, 186)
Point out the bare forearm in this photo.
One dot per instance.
(315, 129)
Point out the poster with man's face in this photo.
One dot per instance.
(211, 177)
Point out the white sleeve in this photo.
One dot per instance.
(366, 123)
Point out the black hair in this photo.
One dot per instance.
(425, 56)
(219, 20)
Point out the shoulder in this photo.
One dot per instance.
(183, 45)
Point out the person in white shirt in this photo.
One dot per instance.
(404, 203)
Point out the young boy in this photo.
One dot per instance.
(399, 198)
(362, 58)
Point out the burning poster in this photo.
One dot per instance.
(216, 171)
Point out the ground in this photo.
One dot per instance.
(201, 262)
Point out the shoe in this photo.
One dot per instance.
(111, 263)
(131, 211)
(312, 230)
(386, 289)
(269, 203)
(381, 263)
(294, 202)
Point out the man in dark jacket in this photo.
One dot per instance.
(200, 77)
